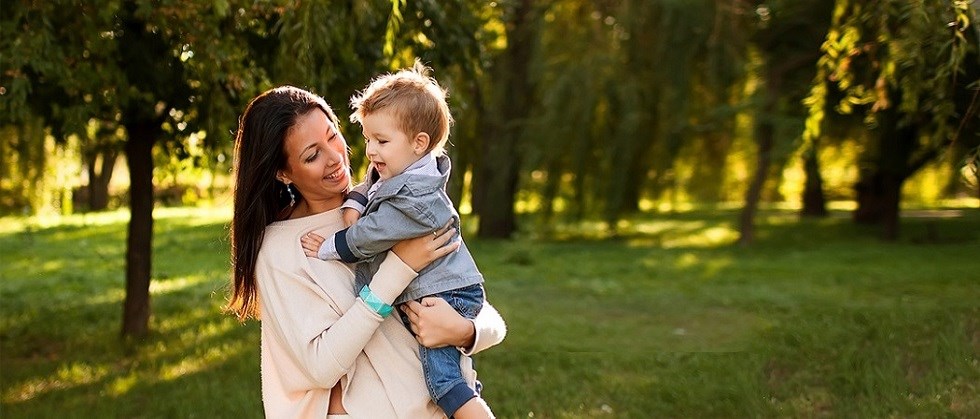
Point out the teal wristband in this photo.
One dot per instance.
(383, 309)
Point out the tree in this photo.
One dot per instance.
(99, 158)
(908, 71)
(166, 70)
(787, 41)
(624, 89)
(507, 106)
(336, 49)
(154, 68)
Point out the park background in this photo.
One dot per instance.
(700, 208)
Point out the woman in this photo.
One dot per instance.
(325, 350)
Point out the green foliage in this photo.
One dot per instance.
(624, 88)
(185, 66)
(336, 49)
(629, 102)
(914, 57)
(667, 319)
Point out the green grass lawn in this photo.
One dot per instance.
(666, 319)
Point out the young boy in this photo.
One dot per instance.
(405, 120)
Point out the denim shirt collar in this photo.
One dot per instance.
(428, 173)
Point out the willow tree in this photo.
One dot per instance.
(571, 68)
(506, 104)
(158, 70)
(336, 49)
(909, 71)
(786, 41)
(624, 88)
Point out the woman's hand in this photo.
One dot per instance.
(435, 324)
(419, 252)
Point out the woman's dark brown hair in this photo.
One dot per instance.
(260, 199)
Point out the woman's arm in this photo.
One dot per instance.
(324, 344)
(323, 338)
(436, 324)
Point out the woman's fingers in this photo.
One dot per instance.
(444, 236)
(411, 311)
(433, 322)
(441, 249)
(444, 228)
(423, 250)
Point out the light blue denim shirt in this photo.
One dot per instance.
(409, 205)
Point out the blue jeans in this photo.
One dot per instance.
(443, 375)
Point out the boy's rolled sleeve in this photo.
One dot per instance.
(356, 201)
(340, 248)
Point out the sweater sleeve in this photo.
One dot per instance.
(490, 330)
(323, 343)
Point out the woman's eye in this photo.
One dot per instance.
(312, 157)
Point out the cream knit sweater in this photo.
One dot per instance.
(316, 333)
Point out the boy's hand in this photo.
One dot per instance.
(350, 216)
(311, 244)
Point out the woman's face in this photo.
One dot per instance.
(316, 160)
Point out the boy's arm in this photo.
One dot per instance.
(396, 219)
(357, 198)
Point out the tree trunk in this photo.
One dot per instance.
(497, 218)
(99, 177)
(711, 169)
(764, 138)
(624, 190)
(550, 192)
(878, 197)
(879, 190)
(500, 166)
(814, 202)
(139, 242)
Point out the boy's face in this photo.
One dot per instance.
(390, 149)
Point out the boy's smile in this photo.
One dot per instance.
(387, 146)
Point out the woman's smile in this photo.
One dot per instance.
(337, 174)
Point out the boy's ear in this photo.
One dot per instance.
(420, 143)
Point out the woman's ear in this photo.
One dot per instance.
(282, 177)
(420, 143)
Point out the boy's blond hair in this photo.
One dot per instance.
(414, 99)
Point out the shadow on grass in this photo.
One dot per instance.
(669, 318)
(62, 298)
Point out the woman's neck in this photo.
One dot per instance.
(308, 207)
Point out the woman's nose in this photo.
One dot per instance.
(333, 157)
